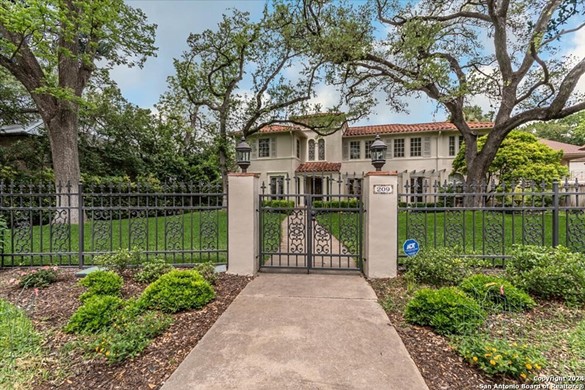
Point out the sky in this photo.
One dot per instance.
(176, 19)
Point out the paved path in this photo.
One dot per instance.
(291, 331)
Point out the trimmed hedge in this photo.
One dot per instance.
(336, 204)
(178, 290)
(447, 310)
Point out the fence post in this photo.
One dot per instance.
(243, 199)
(555, 221)
(81, 224)
(380, 194)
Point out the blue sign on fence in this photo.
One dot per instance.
(410, 247)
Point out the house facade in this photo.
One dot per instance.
(420, 153)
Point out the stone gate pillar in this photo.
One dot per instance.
(243, 201)
(380, 194)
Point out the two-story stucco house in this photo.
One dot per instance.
(421, 153)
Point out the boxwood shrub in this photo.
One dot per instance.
(496, 294)
(549, 273)
(440, 267)
(178, 290)
(101, 283)
(96, 314)
(447, 310)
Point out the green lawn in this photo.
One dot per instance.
(191, 237)
(481, 233)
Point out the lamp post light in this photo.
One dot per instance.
(243, 155)
(378, 152)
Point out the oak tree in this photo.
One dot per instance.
(512, 51)
(53, 48)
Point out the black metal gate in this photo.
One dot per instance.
(311, 231)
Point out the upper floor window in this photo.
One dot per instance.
(367, 146)
(264, 147)
(321, 146)
(311, 150)
(415, 147)
(399, 147)
(455, 143)
(298, 148)
(452, 146)
(354, 150)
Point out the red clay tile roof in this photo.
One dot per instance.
(568, 149)
(320, 166)
(356, 131)
(278, 129)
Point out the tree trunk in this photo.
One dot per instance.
(62, 130)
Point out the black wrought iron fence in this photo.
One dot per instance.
(488, 220)
(71, 224)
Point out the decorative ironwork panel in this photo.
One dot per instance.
(321, 239)
(296, 224)
(454, 228)
(101, 230)
(209, 229)
(349, 233)
(493, 232)
(576, 230)
(137, 229)
(60, 236)
(532, 228)
(21, 233)
(174, 232)
(416, 225)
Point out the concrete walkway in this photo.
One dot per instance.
(290, 331)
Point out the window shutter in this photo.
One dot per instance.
(254, 154)
(273, 147)
(346, 150)
(426, 147)
(388, 142)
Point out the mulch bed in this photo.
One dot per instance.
(51, 308)
(440, 365)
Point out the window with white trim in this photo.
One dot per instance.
(321, 147)
(399, 147)
(264, 147)
(355, 150)
(367, 146)
(311, 150)
(416, 147)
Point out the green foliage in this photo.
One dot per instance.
(335, 204)
(101, 283)
(41, 277)
(520, 156)
(20, 348)
(440, 267)
(549, 273)
(570, 130)
(96, 314)
(152, 270)
(500, 357)
(119, 261)
(207, 270)
(17, 333)
(494, 293)
(279, 203)
(126, 339)
(447, 310)
(178, 290)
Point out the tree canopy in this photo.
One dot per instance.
(570, 130)
(508, 51)
(521, 156)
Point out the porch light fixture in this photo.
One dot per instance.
(243, 155)
(378, 152)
